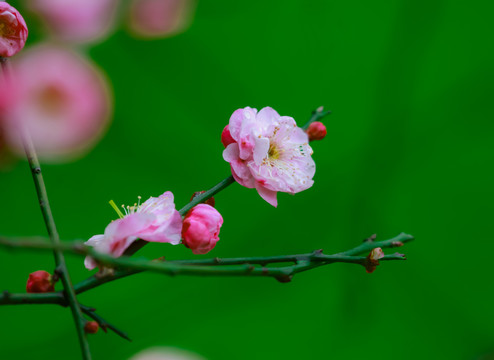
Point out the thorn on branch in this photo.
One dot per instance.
(397, 244)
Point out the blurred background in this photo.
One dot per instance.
(409, 148)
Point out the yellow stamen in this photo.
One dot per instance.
(114, 206)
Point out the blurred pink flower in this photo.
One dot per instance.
(160, 18)
(155, 220)
(201, 228)
(76, 20)
(270, 153)
(62, 99)
(13, 30)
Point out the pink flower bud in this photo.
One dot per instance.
(40, 282)
(316, 131)
(226, 137)
(201, 228)
(13, 30)
(372, 260)
(91, 327)
(209, 201)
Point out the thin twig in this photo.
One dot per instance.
(102, 322)
(317, 115)
(44, 204)
(246, 266)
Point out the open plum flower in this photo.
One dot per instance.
(76, 20)
(62, 99)
(156, 220)
(269, 153)
(159, 18)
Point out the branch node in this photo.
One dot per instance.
(371, 238)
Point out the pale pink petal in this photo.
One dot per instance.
(231, 153)
(261, 149)
(268, 195)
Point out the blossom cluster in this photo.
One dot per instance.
(265, 151)
(63, 101)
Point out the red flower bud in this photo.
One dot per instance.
(201, 228)
(226, 137)
(13, 30)
(209, 201)
(91, 327)
(316, 131)
(40, 282)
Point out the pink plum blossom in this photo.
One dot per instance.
(201, 228)
(160, 18)
(61, 98)
(270, 153)
(13, 30)
(156, 220)
(76, 20)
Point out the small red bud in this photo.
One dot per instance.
(226, 137)
(316, 131)
(40, 282)
(209, 201)
(91, 327)
(372, 260)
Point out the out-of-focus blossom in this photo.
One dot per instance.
(270, 153)
(40, 282)
(372, 260)
(316, 131)
(160, 18)
(13, 30)
(155, 220)
(76, 20)
(62, 99)
(166, 353)
(91, 327)
(201, 228)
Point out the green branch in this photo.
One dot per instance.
(245, 266)
(61, 268)
(317, 115)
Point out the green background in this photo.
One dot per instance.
(409, 148)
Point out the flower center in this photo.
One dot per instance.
(273, 152)
(7, 24)
(51, 100)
